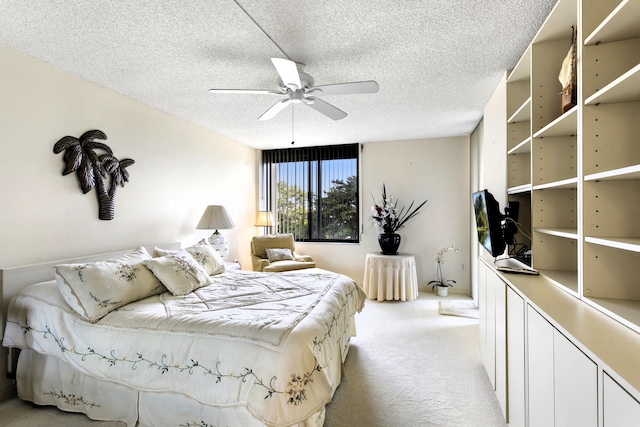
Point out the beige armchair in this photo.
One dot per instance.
(276, 252)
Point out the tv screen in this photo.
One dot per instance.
(489, 222)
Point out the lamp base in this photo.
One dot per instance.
(219, 243)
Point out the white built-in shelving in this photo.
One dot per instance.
(611, 162)
(576, 174)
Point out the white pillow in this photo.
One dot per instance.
(279, 254)
(179, 272)
(94, 289)
(204, 254)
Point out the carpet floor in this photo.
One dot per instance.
(408, 366)
(411, 366)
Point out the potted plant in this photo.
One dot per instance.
(441, 284)
(388, 219)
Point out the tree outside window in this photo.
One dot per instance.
(300, 175)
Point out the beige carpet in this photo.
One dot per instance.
(408, 366)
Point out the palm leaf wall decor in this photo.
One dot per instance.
(100, 170)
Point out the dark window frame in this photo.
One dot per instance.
(312, 158)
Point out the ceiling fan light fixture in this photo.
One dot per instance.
(298, 87)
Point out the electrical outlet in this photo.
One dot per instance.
(464, 267)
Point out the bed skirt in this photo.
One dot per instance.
(47, 380)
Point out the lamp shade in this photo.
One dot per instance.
(264, 219)
(215, 217)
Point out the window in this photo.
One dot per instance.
(314, 191)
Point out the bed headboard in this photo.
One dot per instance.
(15, 278)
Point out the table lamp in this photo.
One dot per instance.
(215, 217)
(265, 219)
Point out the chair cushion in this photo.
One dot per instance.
(288, 265)
(279, 254)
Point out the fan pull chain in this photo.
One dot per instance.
(293, 141)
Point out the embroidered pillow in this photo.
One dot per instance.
(278, 254)
(205, 255)
(179, 272)
(94, 289)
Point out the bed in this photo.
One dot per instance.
(240, 348)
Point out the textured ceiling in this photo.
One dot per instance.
(436, 61)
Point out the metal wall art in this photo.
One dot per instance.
(103, 171)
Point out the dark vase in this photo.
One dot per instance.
(389, 243)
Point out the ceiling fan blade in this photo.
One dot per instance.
(325, 108)
(249, 91)
(274, 109)
(368, 86)
(288, 71)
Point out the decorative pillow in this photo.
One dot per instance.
(179, 272)
(279, 254)
(205, 255)
(94, 289)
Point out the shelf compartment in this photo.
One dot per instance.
(523, 235)
(557, 258)
(518, 169)
(561, 18)
(522, 71)
(622, 23)
(625, 88)
(547, 59)
(522, 113)
(565, 125)
(611, 208)
(611, 72)
(522, 148)
(624, 243)
(555, 209)
(566, 280)
(610, 134)
(567, 233)
(622, 174)
(624, 311)
(518, 135)
(519, 189)
(611, 273)
(566, 184)
(554, 160)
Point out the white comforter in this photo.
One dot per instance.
(258, 340)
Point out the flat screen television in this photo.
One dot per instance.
(489, 222)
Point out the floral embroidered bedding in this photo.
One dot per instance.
(244, 348)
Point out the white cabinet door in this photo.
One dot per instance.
(540, 370)
(620, 408)
(516, 359)
(500, 294)
(493, 331)
(575, 385)
(487, 306)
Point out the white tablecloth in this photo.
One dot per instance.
(390, 277)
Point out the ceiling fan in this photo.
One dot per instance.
(298, 87)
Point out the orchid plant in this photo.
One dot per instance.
(386, 216)
(441, 282)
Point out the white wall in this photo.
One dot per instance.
(493, 162)
(179, 169)
(434, 169)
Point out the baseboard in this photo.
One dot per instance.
(8, 393)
